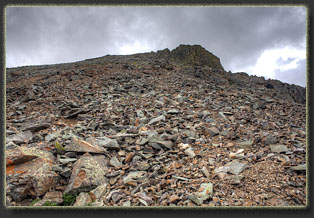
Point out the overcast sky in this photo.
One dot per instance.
(262, 41)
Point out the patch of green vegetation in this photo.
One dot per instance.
(89, 204)
(35, 201)
(69, 199)
(59, 147)
(49, 203)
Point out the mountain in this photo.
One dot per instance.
(165, 128)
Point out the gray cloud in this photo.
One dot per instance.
(237, 35)
(295, 76)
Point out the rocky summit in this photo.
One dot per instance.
(165, 128)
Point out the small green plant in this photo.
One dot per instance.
(69, 199)
(49, 203)
(89, 204)
(59, 147)
(35, 201)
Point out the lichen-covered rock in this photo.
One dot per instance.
(88, 173)
(83, 200)
(29, 172)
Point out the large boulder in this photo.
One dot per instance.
(29, 172)
(88, 173)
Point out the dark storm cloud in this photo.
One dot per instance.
(237, 35)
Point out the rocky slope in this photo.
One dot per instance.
(166, 128)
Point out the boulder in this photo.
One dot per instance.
(88, 173)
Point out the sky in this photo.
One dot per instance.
(262, 41)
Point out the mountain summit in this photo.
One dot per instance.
(194, 55)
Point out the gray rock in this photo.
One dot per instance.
(70, 154)
(270, 139)
(143, 202)
(279, 148)
(301, 167)
(67, 160)
(235, 179)
(117, 196)
(11, 145)
(196, 200)
(166, 144)
(205, 171)
(157, 119)
(37, 127)
(140, 114)
(135, 176)
(51, 137)
(56, 168)
(245, 144)
(190, 134)
(67, 172)
(213, 131)
(207, 192)
(20, 138)
(204, 114)
(173, 111)
(115, 162)
(189, 152)
(236, 167)
(98, 204)
(223, 116)
(107, 143)
(143, 165)
(224, 132)
(126, 204)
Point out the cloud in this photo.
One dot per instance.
(239, 36)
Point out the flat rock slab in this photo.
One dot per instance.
(36, 127)
(79, 145)
(173, 111)
(279, 148)
(236, 167)
(157, 119)
(301, 167)
(18, 155)
(20, 138)
(245, 144)
(88, 173)
(105, 142)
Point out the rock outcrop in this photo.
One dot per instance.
(194, 55)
